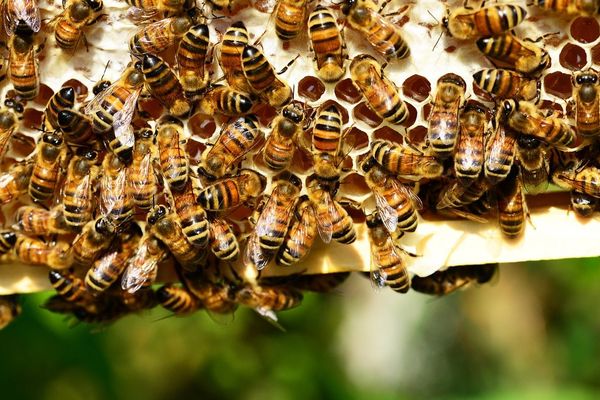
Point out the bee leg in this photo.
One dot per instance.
(98, 18)
(285, 68)
(383, 6)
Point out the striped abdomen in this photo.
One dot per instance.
(327, 132)
(223, 242)
(192, 216)
(289, 18)
(62, 100)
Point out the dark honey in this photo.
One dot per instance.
(426, 111)
(356, 213)
(44, 95)
(32, 118)
(346, 91)
(416, 87)
(311, 88)
(151, 107)
(202, 126)
(194, 149)
(363, 113)
(360, 138)
(585, 29)
(21, 145)
(573, 57)
(302, 162)
(558, 84)
(387, 133)
(354, 185)
(412, 116)
(265, 113)
(417, 135)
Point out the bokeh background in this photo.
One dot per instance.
(533, 333)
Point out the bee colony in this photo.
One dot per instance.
(245, 152)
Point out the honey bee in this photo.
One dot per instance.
(61, 100)
(50, 154)
(37, 221)
(319, 283)
(582, 7)
(172, 155)
(95, 237)
(163, 85)
(8, 124)
(234, 142)
(443, 119)
(535, 167)
(512, 208)
(404, 161)
(78, 188)
(69, 24)
(230, 56)
(19, 15)
(456, 195)
(327, 144)
(23, 64)
(9, 309)
(523, 55)
(142, 268)
(141, 171)
(383, 35)
(380, 93)
(507, 84)
(327, 44)
(76, 127)
(8, 239)
(333, 221)
(500, 150)
(586, 94)
(287, 128)
(191, 215)
(300, 236)
(178, 300)
(262, 78)
(468, 159)
(268, 299)
(116, 200)
(396, 204)
(584, 179)
(147, 9)
(223, 242)
(442, 283)
(289, 18)
(15, 182)
(388, 267)
(55, 255)
(524, 118)
(272, 224)
(583, 204)
(231, 192)
(159, 36)
(192, 61)
(225, 101)
(467, 23)
(216, 298)
(70, 287)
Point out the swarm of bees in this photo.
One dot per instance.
(131, 181)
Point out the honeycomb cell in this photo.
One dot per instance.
(417, 135)
(81, 90)
(585, 29)
(346, 91)
(387, 133)
(426, 111)
(573, 57)
(311, 88)
(363, 113)
(302, 162)
(21, 145)
(152, 107)
(356, 213)
(558, 84)
(412, 116)
(595, 54)
(44, 95)
(194, 149)
(265, 113)
(416, 87)
(202, 125)
(354, 184)
(360, 138)
(32, 118)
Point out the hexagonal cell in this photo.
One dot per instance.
(416, 87)
(356, 213)
(302, 162)
(363, 113)
(387, 133)
(346, 91)
(417, 135)
(194, 149)
(265, 113)
(426, 111)
(412, 116)
(360, 138)
(340, 107)
(311, 88)
(558, 84)
(44, 95)
(573, 57)
(32, 118)
(152, 107)
(21, 145)
(585, 29)
(81, 90)
(201, 125)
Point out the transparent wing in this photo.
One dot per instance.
(269, 316)
(141, 15)
(142, 268)
(144, 168)
(122, 120)
(412, 196)
(154, 35)
(95, 104)
(112, 191)
(377, 275)
(387, 213)
(6, 179)
(254, 255)
(24, 10)
(325, 220)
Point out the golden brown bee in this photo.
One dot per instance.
(512, 208)
(443, 119)
(9, 309)
(442, 283)
(23, 64)
(15, 182)
(388, 267)
(231, 192)
(230, 56)
(61, 100)
(162, 83)
(76, 128)
(583, 204)
(287, 130)
(327, 44)
(507, 84)
(192, 61)
(262, 78)
(178, 300)
(116, 198)
(535, 166)
(143, 266)
(215, 298)
(69, 24)
(319, 283)
(69, 287)
(333, 221)
(159, 36)
(268, 299)
(55, 255)
(585, 179)
(289, 18)
(50, 155)
(234, 142)
(223, 242)
(327, 144)
(191, 215)
(384, 36)
(380, 93)
(456, 195)
(300, 236)
(101, 86)
(525, 118)
(586, 94)
(404, 161)
(468, 159)
(171, 149)
(582, 7)
(78, 188)
(143, 180)
(467, 23)
(37, 221)
(523, 55)
(146, 9)
(7, 241)
(95, 237)
(19, 15)
(226, 101)
(396, 204)
(500, 150)
(8, 124)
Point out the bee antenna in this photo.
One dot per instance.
(438, 40)
(433, 16)
(105, 68)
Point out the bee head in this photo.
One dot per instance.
(52, 139)
(157, 214)
(9, 237)
(104, 227)
(373, 220)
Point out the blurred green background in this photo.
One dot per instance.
(531, 334)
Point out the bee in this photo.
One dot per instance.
(442, 283)
(231, 192)
(164, 226)
(116, 200)
(223, 242)
(468, 159)
(583, 204)
(61, 100)
(142, 268)
(466, 23)
(388, 267)
(95, 237)
(287, 129)
(69, 24)
(178, 300)
(396, 204)
(234, 142)
(262, 78)
(230, 56)
(23, 64)
(333, 221)
(37, 221)
(300, 236)
(78, 188)
(76, 127)
(456, 195)
(319, 283)
(512, 208)
(500, 150)
(535, 167)
(8, 239)
(289, 18)
(15, 182)
(70, 287)
(215, 297)
(586, 93)
(327, 43)
(191, 215)
(141, 171)
(112, 111)
(584, 179)
(163, 85)
(50, 154)
(9, 309)
(380, 93)
(171, 149)
(226, 101)
(522, 55)
(582, 7)
(3, 68)
(192, 60)
(55, 255)
(159, 36)
(443, 119)
(19, 15)
(8, 124)
(404, 161)
(147, 9)
(524, 118)
(383, 35)
(268, 299)
(327, 144)
(272, 224)
(507, 84)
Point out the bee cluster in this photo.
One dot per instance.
(112, 188)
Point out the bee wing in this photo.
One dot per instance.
(144, 169)
(141, 268)
(25, 10)
(412, 196)
(122, 120)
(254, 254)
(151, 40)
(6, 179)
(536, 181)
(140, 15)
(96, 103)
(269, 316)
(387, 213)
(111, 190)
(325, 222)
(265, 6)
(377, 275)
